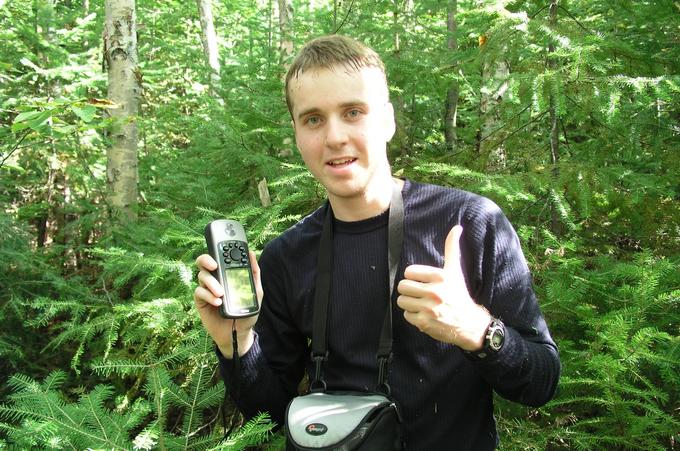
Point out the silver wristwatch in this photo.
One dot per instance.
(494, 339)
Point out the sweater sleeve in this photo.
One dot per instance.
(527, 368)
(271, 370)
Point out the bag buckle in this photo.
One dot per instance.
(383, 363)
(318, 384)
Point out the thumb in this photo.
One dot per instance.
(452, 250)
(257, 278)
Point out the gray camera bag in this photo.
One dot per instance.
(342, 421)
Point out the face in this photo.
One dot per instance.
(343, 121)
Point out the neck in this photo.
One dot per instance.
(371, 203)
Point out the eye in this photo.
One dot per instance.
(354, 113)
(313, 120)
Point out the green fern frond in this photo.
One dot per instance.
(48, 309)
(87, 423)
(563, 208)
(119, 367)
(253, 433)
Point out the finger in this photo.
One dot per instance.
(206, 280)
(412, 288)
(413, 319)
(410, 304)
(452, 250)
(205, 296)
(255, 267)
(424, 273)
(205, 261)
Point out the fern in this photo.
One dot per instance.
(86, 423)
(620, 364)
(175, 393)
(47, 418)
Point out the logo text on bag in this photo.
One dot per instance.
(316, 429)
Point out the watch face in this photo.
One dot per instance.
(496, 336)
(497, 339)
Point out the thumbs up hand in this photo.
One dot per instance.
(437, 302)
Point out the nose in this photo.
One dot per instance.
(336, 133)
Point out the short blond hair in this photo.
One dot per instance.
(327, 52)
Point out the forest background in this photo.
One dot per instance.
(125, 128)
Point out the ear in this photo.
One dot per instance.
(389, 122)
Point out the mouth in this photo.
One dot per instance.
(341, 162)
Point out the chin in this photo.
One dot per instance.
(346, 188)
(345, 192)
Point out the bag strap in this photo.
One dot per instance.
(323, 289)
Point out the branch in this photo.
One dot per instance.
(575, 19)
(349, 10)
(506, 123)
(593, 118)
(537, 12)
(15, 147)
(564, 133)
(520, 128)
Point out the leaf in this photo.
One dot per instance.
(12, 167)
(32, 119)
(40, 120)
(86, 113)
(19, 126)
(26, 116)
(64, 129)
(102, 103)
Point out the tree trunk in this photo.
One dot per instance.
(120, 40)
(263, 190)
(451, 113)
(209, 39)
(285, 26)
(400, 140)
(494, 84)
(395, 26)
(335, 14)
(555, 225)
(44, 26)
(270, 33)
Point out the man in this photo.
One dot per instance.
(466, 321)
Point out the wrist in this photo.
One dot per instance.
(494, 339)
(478, 326)
(244, 340)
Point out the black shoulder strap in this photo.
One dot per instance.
(322, 300)
(323, 290)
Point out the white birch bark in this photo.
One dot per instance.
(285, 25)
(495, 83)
(120, 40)
(451, 115)
(209, 39)
(263, 190)
(495, 74)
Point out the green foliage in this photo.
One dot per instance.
(113, 306)
(619, 353)
(47, 420)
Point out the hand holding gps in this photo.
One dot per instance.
(227, 245)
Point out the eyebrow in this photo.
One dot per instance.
(307, 111)
(304, 113)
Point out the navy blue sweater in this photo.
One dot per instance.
(444, 394)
